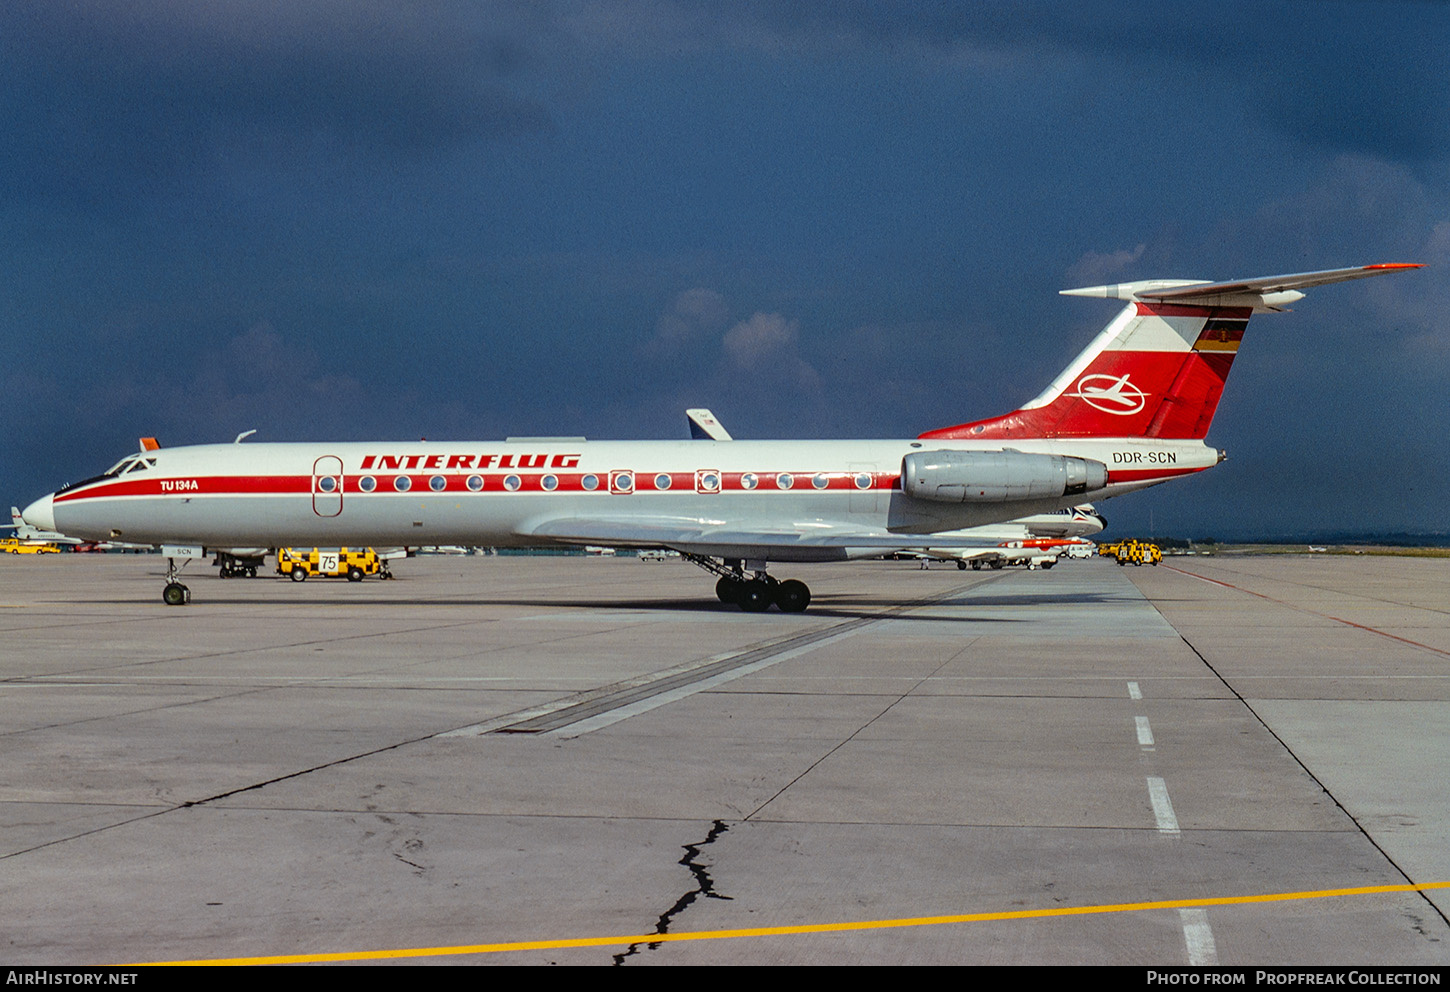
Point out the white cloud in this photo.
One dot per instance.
(693, 316)
(1096, 268)
(752, 343)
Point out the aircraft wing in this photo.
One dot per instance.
(688, 533)
(965, 554)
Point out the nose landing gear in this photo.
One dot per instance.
(175, 594)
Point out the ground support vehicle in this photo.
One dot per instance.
(14, 546)
(1138, 553)
(355, 563)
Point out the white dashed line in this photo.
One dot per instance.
(1145, 732)
(1162, 807)
(1198, 936)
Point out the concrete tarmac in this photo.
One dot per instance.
(499, 760)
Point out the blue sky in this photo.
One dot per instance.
(351, 219)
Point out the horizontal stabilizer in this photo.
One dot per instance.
(1263, 293)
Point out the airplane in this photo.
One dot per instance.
(1131, 411)
(27, 534)
(1036, 541)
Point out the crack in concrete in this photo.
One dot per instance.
(704, 886)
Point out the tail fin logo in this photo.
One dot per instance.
(1111, 394)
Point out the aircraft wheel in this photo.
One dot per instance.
(997, 563)
(754, 596)
(251, 571)
(792, 596)
(1048, 564)
(299, 575)
(976, 566)
(354, 574)
(961, 566)
(175, 594)
(728, 590)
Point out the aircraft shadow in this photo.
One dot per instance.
(841, 608)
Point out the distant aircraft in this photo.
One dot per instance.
(27, 534)
(1131, 411)
(1036, 541)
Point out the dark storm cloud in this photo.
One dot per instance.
(1343, 76)
(107, 100)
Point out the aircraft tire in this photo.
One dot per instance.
(961, 566)
(175, 594)
(251, 571)
(997, 563)
(1048, 564)
(976, 566)
(792, 596)
(728, 590)
(354, 574)
(755, 596)
(299, 574)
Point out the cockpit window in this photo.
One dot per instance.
(138, 462)
(131, 463)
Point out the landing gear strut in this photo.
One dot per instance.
(175, 594)
(756, 593)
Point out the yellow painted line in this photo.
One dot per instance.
(914, 921)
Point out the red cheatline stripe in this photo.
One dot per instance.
(493, 482)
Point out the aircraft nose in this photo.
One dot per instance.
(41, 513)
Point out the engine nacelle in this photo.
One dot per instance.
(997, 476)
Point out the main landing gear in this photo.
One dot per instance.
(175, 594)
(756, 593)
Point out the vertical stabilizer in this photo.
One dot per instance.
(1158, 370)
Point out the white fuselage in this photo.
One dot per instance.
(564, 491)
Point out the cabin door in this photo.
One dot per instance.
(327, 486)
